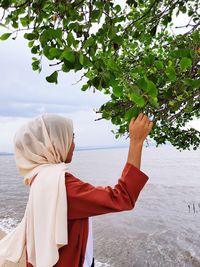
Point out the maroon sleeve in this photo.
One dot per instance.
(85, 200)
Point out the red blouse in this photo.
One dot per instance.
(85, 200)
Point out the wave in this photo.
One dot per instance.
(8, 224)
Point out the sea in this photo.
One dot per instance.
(163, 229)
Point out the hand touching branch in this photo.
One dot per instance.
(139, 128)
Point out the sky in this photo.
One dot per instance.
(25, 94)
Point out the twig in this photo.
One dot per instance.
(185, 26)
(3, 15)
(79, 80)
(23, 4)
(179, 102)
(196, 26)
(55, 64)
(99, 119)
(144, 15)
(188, 24)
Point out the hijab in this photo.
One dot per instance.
(41, 147)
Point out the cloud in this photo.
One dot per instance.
(8, 126)
(22, 109)
(25, 94)
(22, 89)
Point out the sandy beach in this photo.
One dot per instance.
(22, 262)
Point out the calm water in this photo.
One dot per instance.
(164, 227)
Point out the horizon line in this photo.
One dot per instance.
(80, 148)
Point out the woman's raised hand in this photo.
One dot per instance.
(139, 128)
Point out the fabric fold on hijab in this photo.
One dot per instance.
(41, 148)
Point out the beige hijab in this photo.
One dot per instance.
(41, 147)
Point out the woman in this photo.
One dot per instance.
(56, 229)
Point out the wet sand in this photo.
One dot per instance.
(22, 262)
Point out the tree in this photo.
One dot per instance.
(126, 52)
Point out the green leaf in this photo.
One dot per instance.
(6, 3)
(34, 49)
(138, 99)
(159, 65)
(69, 55)
(106, 115)
(30, 44)
(95, 15)
(171, 73)
(54, 52)
(171, 102)
(65, 68)
(49, 34)
(15, 24)
(24, 21)
(185, 63)
(70, 39)
(149, 59)
(5, 36)
(151, 88)
(30, 36)
(53, 78)
(36, 64)
(96, 81)
(84, 87)
(154, 102)
(118, 8)
(117, 89)
(57, 33)
(99, 4)
(112, 64)
(77, 64)
(132, 112)
(142, 84)
(116, 120)
(89, 42)
(118, 40)
(46, 52)
(192, 83)
(81, 58)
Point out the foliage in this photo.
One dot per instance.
(129, 53)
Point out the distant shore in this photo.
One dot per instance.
(22, 262)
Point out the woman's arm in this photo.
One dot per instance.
(85, 200)
(138, 131)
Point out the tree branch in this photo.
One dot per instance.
(175, 116)
(20, 5)
(179, 102)
(144, 15)
(23, 4)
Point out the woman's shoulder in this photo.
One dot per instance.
(69, 177)
(68, 174)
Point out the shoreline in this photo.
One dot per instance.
(22, 262)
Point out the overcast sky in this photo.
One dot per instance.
(25, 94)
